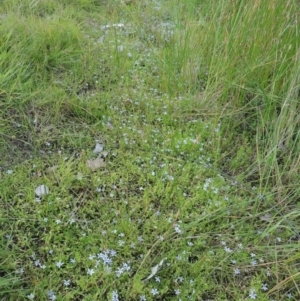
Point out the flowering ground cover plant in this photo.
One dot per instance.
(148, 152)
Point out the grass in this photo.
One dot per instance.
(166, 135)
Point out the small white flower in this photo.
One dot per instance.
(90, 272)
(264, 287)
(30, 296)
(161, 238)
(236, 271)
(215, 190)
(171, 178)
(126, 267)
(227, 250)
(157, 279)
(20, 271)
(289, 295)
(113, 252)
(72, 220)
(252, 294)
(59, 264)
(73, 260)
(154, 292)
(67, 282)
(119, 271)
(114, 296)
(51, 296)
(177, 229)
(177, 292)
(97, 263)
(92, 256)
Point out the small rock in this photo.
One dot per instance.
(41, 190)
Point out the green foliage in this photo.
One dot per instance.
(196, 106)
(34, 49)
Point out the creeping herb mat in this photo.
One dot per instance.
(149, 150)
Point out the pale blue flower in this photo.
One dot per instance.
(154, 292)
(51, 295)
(177, 228)
(114, 296)
(20, 271)
(90, 272)
(227, 250)
(67, 282)
(59, 264)
(252, 294)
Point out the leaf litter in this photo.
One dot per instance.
(95, 164)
